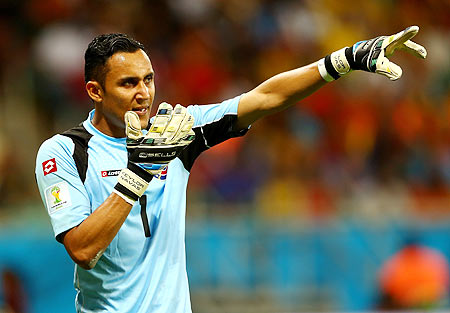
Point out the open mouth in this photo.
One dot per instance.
(141, 111)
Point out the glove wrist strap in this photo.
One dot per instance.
(323, 71)
(139, 171)
(133, 181)
(349, 57)
(124, 197)
(334, 65)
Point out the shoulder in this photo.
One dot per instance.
(64, 147)
(56, 145)
(65, 142)
(54, 155)
(78, 133)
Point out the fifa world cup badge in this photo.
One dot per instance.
(57, 197)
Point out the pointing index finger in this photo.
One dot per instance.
(397, 40)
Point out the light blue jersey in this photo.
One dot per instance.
(144, 267)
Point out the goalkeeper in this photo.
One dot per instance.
(116, 193)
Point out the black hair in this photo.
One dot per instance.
(100, 49)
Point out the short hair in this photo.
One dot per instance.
(100, 49)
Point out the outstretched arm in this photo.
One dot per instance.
(283, 90)
(278, 93)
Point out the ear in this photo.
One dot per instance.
(94, 90)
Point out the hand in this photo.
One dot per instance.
(372, 56)
(170, 132)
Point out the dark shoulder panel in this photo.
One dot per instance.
(80, 137)
(193, 150)
(209, 135)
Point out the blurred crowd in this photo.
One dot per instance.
(361, 147)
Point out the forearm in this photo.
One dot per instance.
(286, 88)
(278, 93)
(86, 242)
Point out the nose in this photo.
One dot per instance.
(143, 91)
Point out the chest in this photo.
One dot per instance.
(161, 206)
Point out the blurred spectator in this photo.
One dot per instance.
(15, 299)
(9, 180)
(416, 277)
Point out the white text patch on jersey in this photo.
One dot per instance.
(57, 197)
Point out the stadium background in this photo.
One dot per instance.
(298, 215)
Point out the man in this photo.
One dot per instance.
(116, 194)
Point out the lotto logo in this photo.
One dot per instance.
(110, 173)
(49, 166)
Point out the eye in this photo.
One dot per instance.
(129, 82)
(148, 79)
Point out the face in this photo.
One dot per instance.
(129, 86)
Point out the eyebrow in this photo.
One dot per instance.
(132, 78)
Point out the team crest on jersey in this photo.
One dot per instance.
(162, 175)
(49, 166)
(57, 197)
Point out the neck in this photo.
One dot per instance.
(108, 126)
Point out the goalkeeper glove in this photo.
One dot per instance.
(371, 56)
(170, 132)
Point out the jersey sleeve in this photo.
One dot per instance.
(213, 124)
(61, 189)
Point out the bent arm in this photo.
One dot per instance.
(86, 242)
(278, 93)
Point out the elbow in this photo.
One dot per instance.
(85, 256)
(87, 265)
(82, 259)
(85, 259)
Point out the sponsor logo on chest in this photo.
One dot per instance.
(109, 173)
